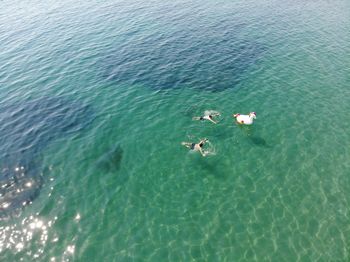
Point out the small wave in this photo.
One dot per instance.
(211, 112)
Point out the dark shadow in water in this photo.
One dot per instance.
(110, 161)
(259, 141)
(199, 62)
(212, 168)
(27, 128)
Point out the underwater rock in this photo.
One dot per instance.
(26, 129)
(211, 65)
(31, 125)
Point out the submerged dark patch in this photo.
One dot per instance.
(110, 161)
(181, 60)
(259, 141)
(26, 128)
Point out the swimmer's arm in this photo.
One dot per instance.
(212, 120)
(200, 150)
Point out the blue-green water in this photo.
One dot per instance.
(96, 98)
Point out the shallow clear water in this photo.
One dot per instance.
(96, 99)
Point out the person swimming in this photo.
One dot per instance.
(207, 117)
(196, 146)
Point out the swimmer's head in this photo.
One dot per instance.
(203, 141)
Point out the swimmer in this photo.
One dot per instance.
(196, 147)
(207, 117)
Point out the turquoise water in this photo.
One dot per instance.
(96, 99)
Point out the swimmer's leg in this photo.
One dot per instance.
(186, 144)
(197, 118)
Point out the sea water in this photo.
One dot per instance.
(97, 97)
